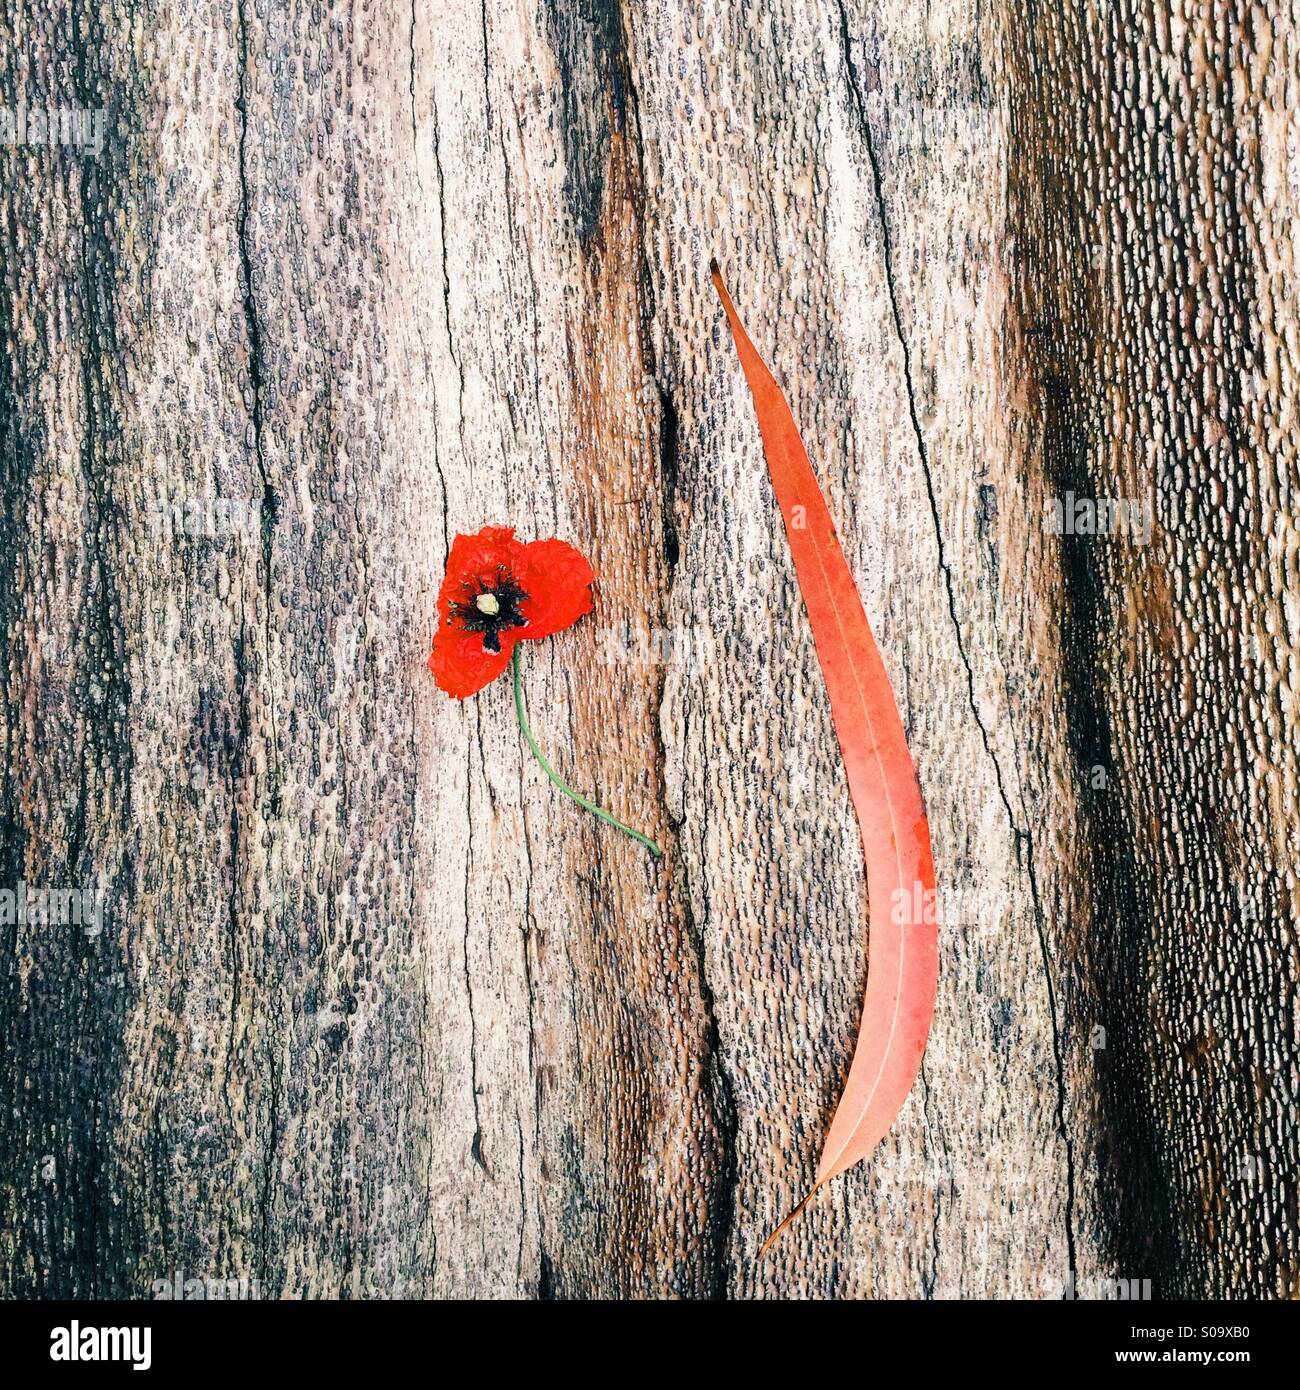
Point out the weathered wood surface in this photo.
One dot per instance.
(374, 1012)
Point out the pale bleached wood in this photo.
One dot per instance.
(377, 1013)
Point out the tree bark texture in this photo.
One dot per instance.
(374, 1011)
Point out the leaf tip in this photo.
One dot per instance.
(715, 270)
(779, 1230)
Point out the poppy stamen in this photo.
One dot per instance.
(491, 607)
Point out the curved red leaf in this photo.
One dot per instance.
(904, 958)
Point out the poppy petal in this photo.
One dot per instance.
(557, 580)
(477, 560)
(460, 663)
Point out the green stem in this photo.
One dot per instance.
(560, 782)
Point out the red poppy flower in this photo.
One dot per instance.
(499, 591)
